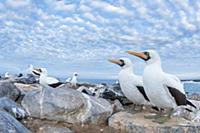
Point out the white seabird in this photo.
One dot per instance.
(164, 90)
(7, 75)
(73, 80)
(130, 83)
(45, 80)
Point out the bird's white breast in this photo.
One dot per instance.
(128, 82)
(153, 80)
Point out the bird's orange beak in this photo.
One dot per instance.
(115, 61)
(138, 54)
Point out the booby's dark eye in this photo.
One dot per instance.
(122, 63)
(146, 53)
(148, 56)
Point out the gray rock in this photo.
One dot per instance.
(11, 107)
(138, 124)
(97, 110)
(117, 106)
(9, 124)
(54, 129)
(66, 105)
(8, 89)
(28, 79)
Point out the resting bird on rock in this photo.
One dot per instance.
(163, 90)
(45, 80)
(73, 80)
(130, 83)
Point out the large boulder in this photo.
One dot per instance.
(67, 105)
(8, 124)
(8, 89)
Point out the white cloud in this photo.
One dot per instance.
(17, 3)
(62, 6)
(110, 8)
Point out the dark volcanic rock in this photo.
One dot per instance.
(9, 124)
(8, 89)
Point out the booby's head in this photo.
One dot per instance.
(149, 56)
(40, 71)
(122, 62)
(75, 74)
(44, 71)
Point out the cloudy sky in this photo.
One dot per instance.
(80, 35)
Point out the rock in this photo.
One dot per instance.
(54, 104)
(194, 96)
(98, 110)
(86, 90)
(138, 124)
(67, 105)
(54, 129)
(24, 88)
(11, 107)
(117, 106)
(28, 79)
(8, 89)
(9, 124)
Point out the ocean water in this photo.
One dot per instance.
(192, 87)
(189, 86)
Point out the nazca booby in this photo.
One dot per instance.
(131, 84)
(164, 90)
(73, 80)
(45, 80)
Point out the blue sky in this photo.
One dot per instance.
(80, 35)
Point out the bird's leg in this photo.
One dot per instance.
(154, 116)
(164, 118)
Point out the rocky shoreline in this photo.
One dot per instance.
(99, 108)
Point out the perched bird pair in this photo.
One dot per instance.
(46, 80)
(159, 88)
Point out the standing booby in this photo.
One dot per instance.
(164, 90)
(7, 75)
(73, 80)
(131, 84)
(45, 80)
(32, 70)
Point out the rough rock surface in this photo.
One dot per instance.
(54, 129)
(8, 89)
(27, 79)
(11, 107)
(8, 124)
(66, 105)
(136, 123)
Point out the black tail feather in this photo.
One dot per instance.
(191, 104)
(188, 109)
(155, 108)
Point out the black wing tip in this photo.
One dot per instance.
(56, 85)
(191, 104)
(142, 91)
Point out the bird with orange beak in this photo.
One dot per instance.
(164, 90)
(130, 83)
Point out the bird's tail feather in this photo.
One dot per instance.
(191, 104)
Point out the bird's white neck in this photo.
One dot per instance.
(126, 70)
(154, 66)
